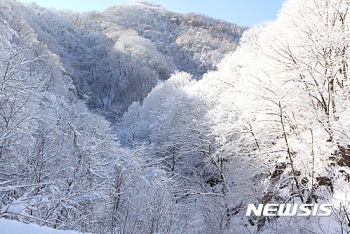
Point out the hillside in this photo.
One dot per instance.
(117, 56)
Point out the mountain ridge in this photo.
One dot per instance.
(116, 56)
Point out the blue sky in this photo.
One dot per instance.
(241, 12)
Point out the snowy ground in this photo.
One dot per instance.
(14, 227)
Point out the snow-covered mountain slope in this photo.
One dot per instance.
(117, 56)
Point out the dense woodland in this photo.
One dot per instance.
(140, 120)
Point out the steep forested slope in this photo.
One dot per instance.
(117, 56)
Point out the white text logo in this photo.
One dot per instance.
(289, 210)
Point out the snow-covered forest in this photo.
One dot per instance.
(141, 120)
